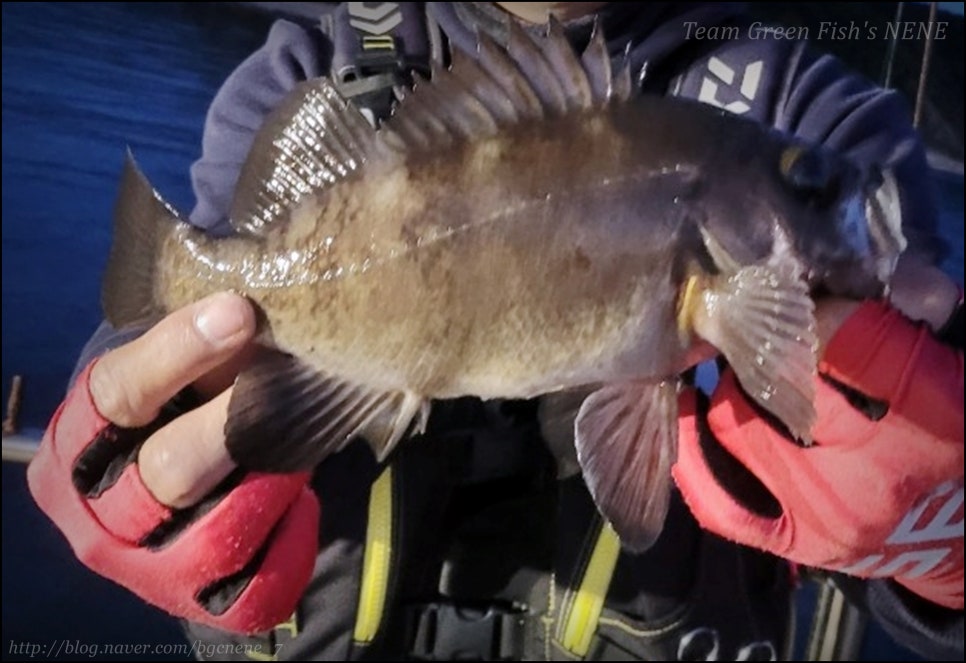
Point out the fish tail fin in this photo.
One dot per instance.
(142, 221)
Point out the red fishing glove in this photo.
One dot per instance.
(238, 561)
(879, 494)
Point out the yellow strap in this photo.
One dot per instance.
(291, 625)
(255, 655)
(375, 563)
(581, 624)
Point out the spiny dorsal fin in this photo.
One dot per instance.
(567, 67)
(534, 77)
(497, 62)
(622, 87)
(596, 63)
(317, 138)
(533, 64)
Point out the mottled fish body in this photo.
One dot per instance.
(512, 236)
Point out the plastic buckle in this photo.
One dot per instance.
(447, 632)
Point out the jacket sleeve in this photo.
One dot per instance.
(291, 54)
(933, 632)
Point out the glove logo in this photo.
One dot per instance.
(723, 74)
(946, 524)
(945, 504)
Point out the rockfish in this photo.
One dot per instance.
(527, 222)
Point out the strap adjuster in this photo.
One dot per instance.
(379, 56)
(378, 70)
(447, 632)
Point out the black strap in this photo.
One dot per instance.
(450, 632)
(376, 47)
(952, 332)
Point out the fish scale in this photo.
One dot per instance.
(567, 235)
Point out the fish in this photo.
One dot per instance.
(527, 223)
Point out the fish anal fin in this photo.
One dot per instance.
(409, 414)
(285, 415)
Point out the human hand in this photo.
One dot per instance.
(880, 493)
(157, 505)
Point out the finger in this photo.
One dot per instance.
(131, 383)
(185, 460)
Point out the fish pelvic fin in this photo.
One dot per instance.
(762, 319)
(142, 222)
(285, 415)
(626, 439)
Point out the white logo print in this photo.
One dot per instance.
(946, 525)
(723, 74)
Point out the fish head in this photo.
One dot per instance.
(841, 224)
(844, 222)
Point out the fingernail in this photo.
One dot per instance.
(221, 317)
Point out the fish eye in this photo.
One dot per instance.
(811, 174)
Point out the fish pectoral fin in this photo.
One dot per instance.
(626, 439)
(762, 319)
(285, 415)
